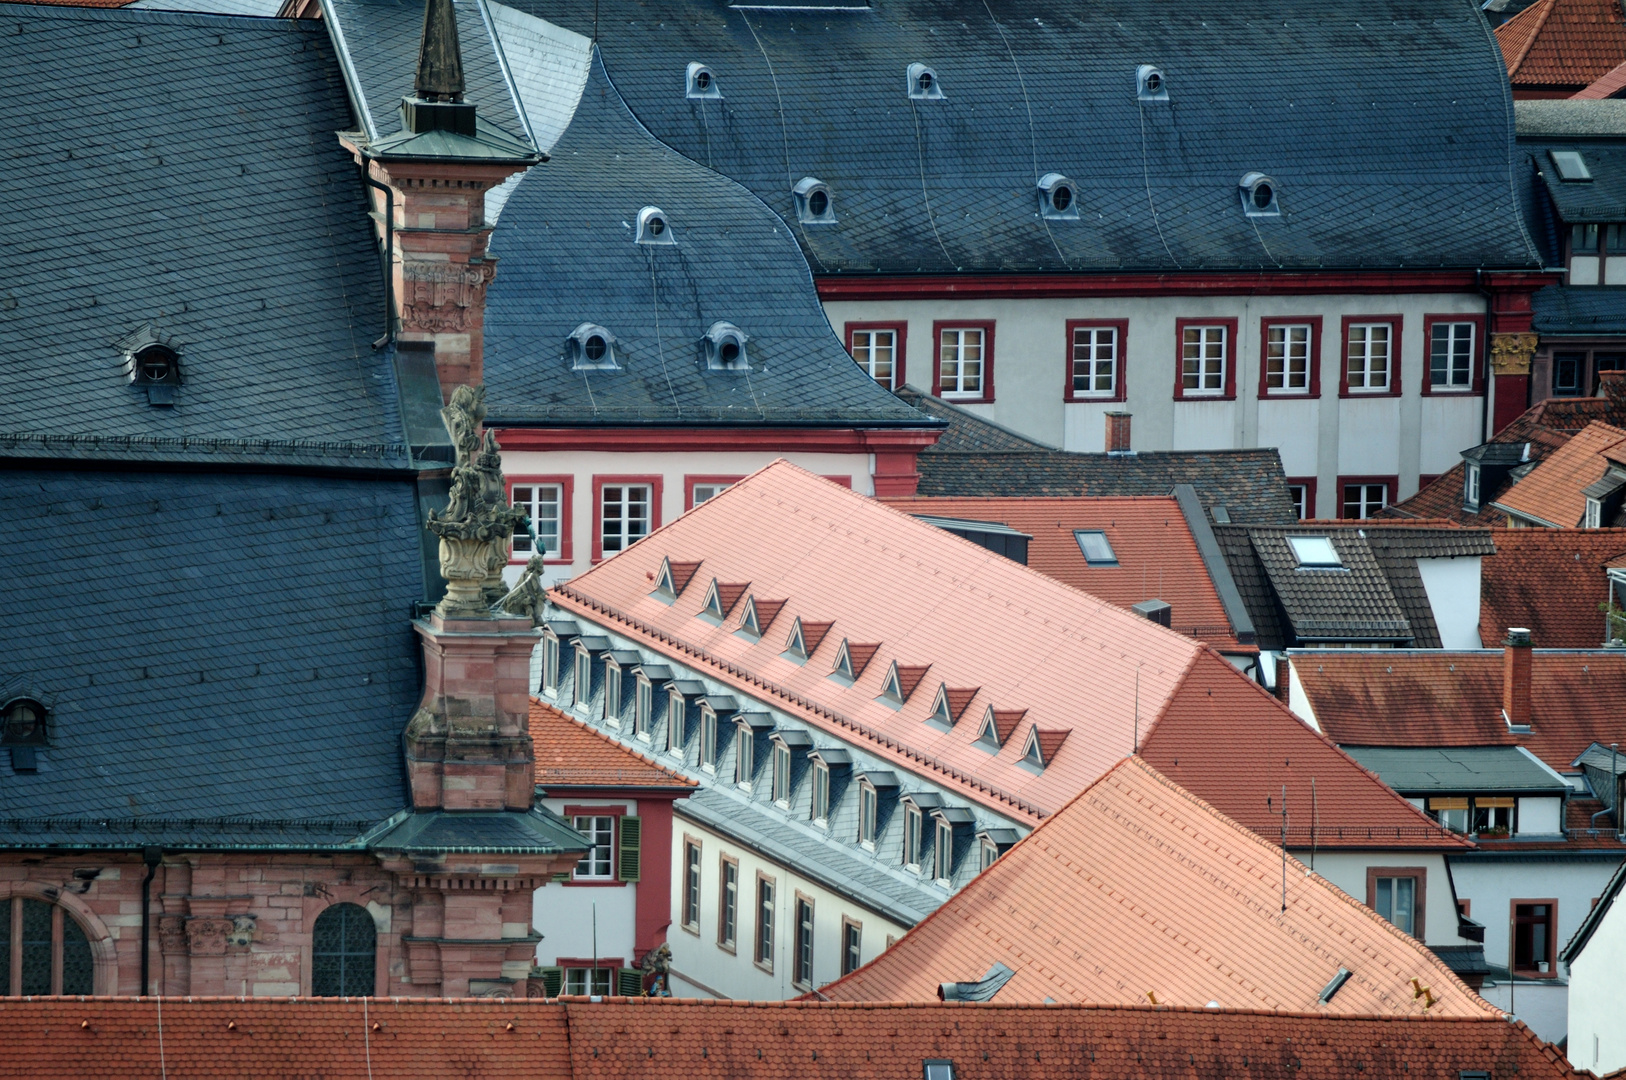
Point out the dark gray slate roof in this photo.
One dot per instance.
(1463, 770)
(1388, 127)
(1600, 199)
(182, 170)
(227, 658)
(565, 240)
(539, 832)
(1565, 311)
(975, 457)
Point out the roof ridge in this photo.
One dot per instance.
(1538, 15)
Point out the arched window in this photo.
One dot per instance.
(345, 949)
(43, 950)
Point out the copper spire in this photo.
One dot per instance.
(440, 59)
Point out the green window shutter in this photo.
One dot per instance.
(553, 981)
(629, 982)
(629, 861)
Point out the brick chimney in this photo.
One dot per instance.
(1118, 433)
(1516, 678)
(1612, 385)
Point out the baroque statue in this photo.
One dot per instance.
(477, 530)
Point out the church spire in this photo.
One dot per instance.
(440, 59)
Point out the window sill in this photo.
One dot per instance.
(760, 966)
(695, 930)
(1288, 395)
(728, 947)
(595, 883)
(1204, 395)
(1103, 398)
(966, 399)
(1353, 392)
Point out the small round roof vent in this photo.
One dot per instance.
(653, 227)
(1260, 196)
(813, 205)
(1058, 197)
(1150, 84)
(592, 348)
(724, 348)
(702, 83)
(923, 85)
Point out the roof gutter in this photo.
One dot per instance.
(1219, 572)
(1543, 522)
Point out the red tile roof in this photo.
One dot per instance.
(1552, 490)
(1606, 86)
(1157, 558)
(653, 1038)
(1070, 659)
(1550, 581)
(1138, 890)
(1386, 697)
(571, 754)
(1239, 759)
(1563, 43)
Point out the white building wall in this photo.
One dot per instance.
(703, 968)
(1597, 997)
(1348, 871)
(570, 915)
(1452, 586)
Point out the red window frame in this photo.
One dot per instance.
(1397, 338)
(900, 349)
(1552, 936)
(1314, 323)
(987, 328)
(689, 483)
(1476, 380)
(599, 483)
(1392, 482)
(567, 498)
(1229, 393)
(1120, 367)
(844, 481)
(1308, 483)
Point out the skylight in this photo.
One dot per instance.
(939, 1070)
(1096, 548)
(1570, 164)
(1314, 551)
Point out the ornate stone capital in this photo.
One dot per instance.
(172, 934)
(439, 297)
(207, 936)
(1511, 353)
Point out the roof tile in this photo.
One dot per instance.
(571, 754)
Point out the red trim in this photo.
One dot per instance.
(652, 910)
(1314, 323)
(1392, 482)
(567, 498)
(899, 350)
(1476, 379)
(690, 481)
(1425, 479)
(696, 440)
(1511, 309)
(1229, 393)
(1396, 341)
(1308, 482)
(610, 963)
(595, 811)
(987, 328)
(844, 481)
(1552, 936)
(1219, 283)
(1511, 398)
(595, 883)
(654, 482)
(1120, 388)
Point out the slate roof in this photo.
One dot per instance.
(565, 238)
(227, 659)
(1600, 199)
(1563, 43)
(1561, 311)
(1451, 770)
(1138, 886)
(571, 754)
(949, 185)
(1550, 581)
(181, 170)
(975, 457)
(1554, 491)
(426, 833)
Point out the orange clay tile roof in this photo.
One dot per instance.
(1157, 558)
(1563, 43)
(1238, 759)
(1138, 889)
(1552, 491)
(1549, 581)
(655, 1038)
(571, 754)
(1070, 659)
(1605, 86)
(1388, 697)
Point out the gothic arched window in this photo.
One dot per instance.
(345, 951)
(31, 931)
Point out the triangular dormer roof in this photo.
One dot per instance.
(674, 577)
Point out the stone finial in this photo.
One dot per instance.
(440, 59)
(477, 530)
(528, 596)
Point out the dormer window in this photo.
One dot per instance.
(582, 688)
(1150, 84)
(851, 660)
(592, 348)
(653, 227)
(724, 348)
(868, 801)
(988, 736)
(1259, 196)
(673, 578)
(922, 83)
(781, 773)
(1592, 516)
(1041, 746)
(1315, 552)
(900, 681)
(813, 205)
(949, 705)
(1058, 197)
(844, 663)
(676, 714)
(1470, 487)
(701, 83)
(152, 361)
(820, 811)
(721, 598)
(942, 849)
(804, 639)
(1031, 753)
(23, 732)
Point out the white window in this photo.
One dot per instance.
(1470, 487)
(702, 492)
(1095, 361)
(708, 739)
(612, 693)
(804, 942)
(1365, 500)
(728, 902)
(1300, 494)
(1592, 517)
(1287, 359)
(643, 707)
(943, 851)
(598, 863)
(691, 885)
(1397, 901)
(623, 516)
(674, 721)
(1202, 360)
(866, 815)
(582, 691)
(781, 774)
(960, 363)
(765, 910)
(550, 664)
(989, 853)
(589, 981)
(877, 353)
(821, 791)
(1451, 356)
(1314, 551)
(852, 946)
(744, 755)
(911, 837)
(1370, 349)
(544, 503)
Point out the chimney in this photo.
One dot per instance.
(1158, 611)
(1516, 679)
(1118, 433)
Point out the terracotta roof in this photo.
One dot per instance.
(1029, 642)
(1563, 43)
(1550, 581)
(1239, 758)
(1140, 888)
(1605, 86)
(1552, 491)
(1157, 557)
(1395, 697)
(571, 754)
(620, 1039)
